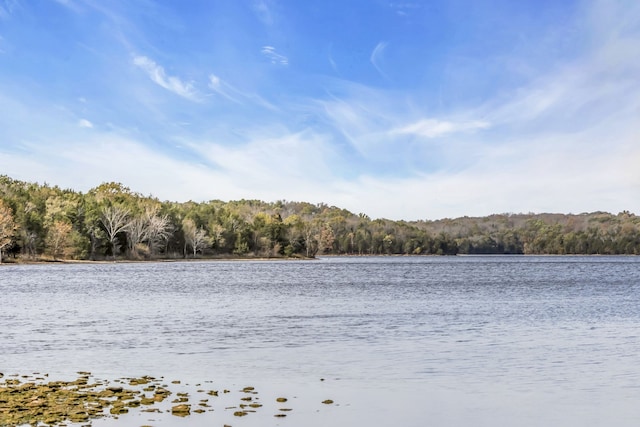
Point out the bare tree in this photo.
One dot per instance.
(194, 237)
(149, 228)
(115, 220)
(137, 231)
(159, 230)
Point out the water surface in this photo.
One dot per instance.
(398, 341)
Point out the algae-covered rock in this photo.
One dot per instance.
(181, 410)
(115, 389)
(77, 417)
(29, 400)
(140, 381)
(59, 402)
(147, 401)
(160, 394)
(116, 410)
(133, 403)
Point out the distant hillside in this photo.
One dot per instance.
(112, 222)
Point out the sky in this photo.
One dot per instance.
(398, 109)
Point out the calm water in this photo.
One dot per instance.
(443, 341)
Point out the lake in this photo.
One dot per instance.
(411, 341)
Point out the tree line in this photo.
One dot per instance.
(112, 222)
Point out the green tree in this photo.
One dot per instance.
(7, 227)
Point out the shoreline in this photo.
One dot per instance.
(45, 261)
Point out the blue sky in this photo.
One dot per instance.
(398, 109)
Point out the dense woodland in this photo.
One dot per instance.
(42, 222)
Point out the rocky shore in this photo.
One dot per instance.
(37, 400)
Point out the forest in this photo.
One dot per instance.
(39, 222)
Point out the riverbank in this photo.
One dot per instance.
(46, 260)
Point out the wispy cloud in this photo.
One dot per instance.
(598, 86)
(331, 60)
(333, 64)
(293, 154)
(234, 94)
(376, 57)
(432, 128)
(84, 123)
(274, 57)
(222, 88)
(404, 8)
(171, 83)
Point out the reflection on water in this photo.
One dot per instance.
(455, 340)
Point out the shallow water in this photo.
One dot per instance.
(399, 341)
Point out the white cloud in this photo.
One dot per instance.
(171, 83)
(273, 56)
(84, 123)
(549, 175)
(83, 164)
(214, 82)
(272, 157)
(432, 128)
